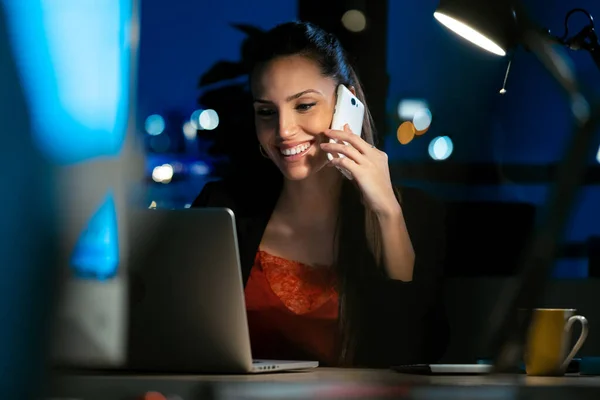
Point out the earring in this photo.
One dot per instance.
(262, 151)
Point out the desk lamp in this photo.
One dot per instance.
(499, 26)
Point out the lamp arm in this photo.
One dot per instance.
(596, 55)
(586, 39)
(593, 46)
(508, 330)
(563, 38)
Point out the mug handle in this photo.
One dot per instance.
(580, 341)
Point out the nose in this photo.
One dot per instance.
(287, 127)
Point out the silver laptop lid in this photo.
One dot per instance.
(187, 298)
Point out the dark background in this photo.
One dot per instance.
(505, 146)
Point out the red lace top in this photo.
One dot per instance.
(292, 310)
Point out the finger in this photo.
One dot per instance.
(346, 163)
(347, 136)
(346, 150)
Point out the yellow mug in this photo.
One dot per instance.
(549, 338)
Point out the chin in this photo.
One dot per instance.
(300, 172)
(297, 173)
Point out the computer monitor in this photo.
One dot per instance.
(77, 64)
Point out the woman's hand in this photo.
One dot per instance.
(369, 167)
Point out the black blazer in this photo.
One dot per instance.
(405, 322)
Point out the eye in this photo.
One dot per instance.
(305, 106)
(265, 112)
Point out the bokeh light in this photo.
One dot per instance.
(354, 20)
(405, 132)
(189, 131)
(195, 119)
(155, 125)
(598, 155)
(162, 173)
(178, 167)
(208, 120)
(407, 108)
(422, 120)
(199, 168)
(440, 148)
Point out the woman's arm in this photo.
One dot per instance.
(398, 253)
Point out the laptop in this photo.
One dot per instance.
(187, 308)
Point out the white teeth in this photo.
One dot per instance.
(295, 150)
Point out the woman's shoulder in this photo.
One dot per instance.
(241, 197)
(214, 194)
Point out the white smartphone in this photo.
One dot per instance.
(348, 110)
(444, 369)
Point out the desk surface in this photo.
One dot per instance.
(325, 383)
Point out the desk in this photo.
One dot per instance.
(324, 383)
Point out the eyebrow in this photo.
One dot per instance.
(292, 97)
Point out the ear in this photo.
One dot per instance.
(353, 90)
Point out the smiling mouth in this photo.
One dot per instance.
(297, 152)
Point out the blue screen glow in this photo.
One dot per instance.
(73, 57)
(96, 254)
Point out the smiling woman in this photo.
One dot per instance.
(344, 272)
(293, 109)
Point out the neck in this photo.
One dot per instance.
(314, 199)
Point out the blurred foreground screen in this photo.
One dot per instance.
(67, 75)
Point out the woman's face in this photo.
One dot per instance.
(293, 106)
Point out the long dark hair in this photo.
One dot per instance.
(359, 244)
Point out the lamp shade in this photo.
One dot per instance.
(490, 24)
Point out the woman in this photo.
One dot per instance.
(347, 272)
